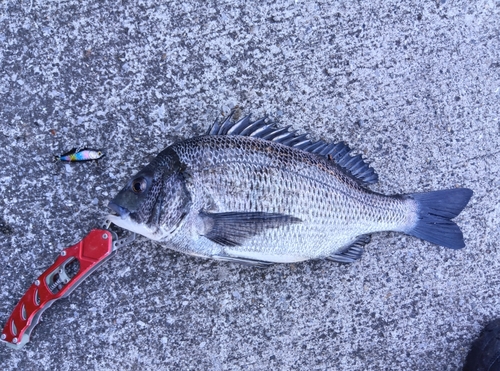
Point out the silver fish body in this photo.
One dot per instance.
(257, 194)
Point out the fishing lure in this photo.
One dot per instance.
(80, 154)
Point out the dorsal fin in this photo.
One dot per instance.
(339, 152)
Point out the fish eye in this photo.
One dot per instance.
(139, 185)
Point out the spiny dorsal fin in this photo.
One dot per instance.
(339, 152)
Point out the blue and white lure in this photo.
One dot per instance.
(80, 154)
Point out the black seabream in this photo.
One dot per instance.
(257, 194)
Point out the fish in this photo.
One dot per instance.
(254, 193)
(79, 155)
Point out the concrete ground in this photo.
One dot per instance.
(413, 86)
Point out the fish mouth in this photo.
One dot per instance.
(118, 210)
(126, 223)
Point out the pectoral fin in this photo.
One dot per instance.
(233, 228)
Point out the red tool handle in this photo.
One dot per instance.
(73, 265)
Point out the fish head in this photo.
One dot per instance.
(154, 201)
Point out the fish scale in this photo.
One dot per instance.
(272, 184)
(258, 194)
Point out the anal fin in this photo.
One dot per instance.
(353, 252)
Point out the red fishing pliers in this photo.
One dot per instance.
(73, 265)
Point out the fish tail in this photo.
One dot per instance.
(434, 213)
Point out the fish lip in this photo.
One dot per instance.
(139, 228)
(120, 211)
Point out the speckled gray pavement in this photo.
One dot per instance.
(413, 86)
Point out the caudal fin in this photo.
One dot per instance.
(435, 211)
